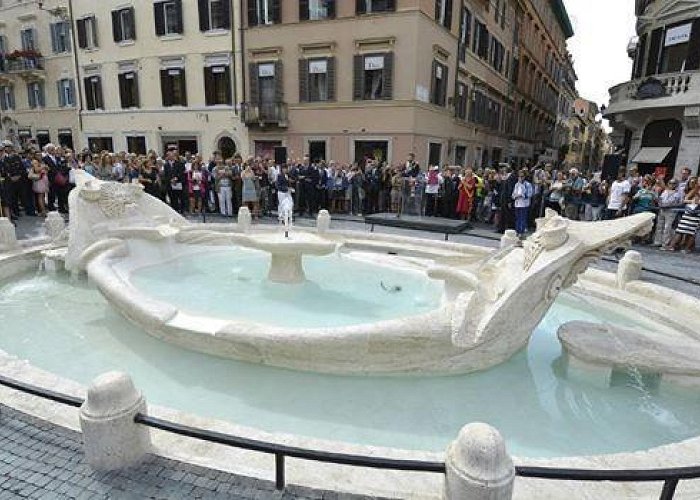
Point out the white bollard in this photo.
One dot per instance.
(323, 222)
(54, 225)
(629, 268)
(509, 238)
(8, 235)
(111, 439)
(478, 465)
(245, 219)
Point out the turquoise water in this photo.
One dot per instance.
(65, 326)
(339, 291)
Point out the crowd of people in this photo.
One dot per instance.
(503, 196)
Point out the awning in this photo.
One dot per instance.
(651, 155)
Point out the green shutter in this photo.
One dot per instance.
(330, 77)
(358, 78)
(388, 90)
(303, 80)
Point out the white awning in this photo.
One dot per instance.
(651, 155)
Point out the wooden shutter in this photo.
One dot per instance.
(82, 34)
(30, 96)
(639, 57)
(203, 15)
(226, 8)
(227, 81)
(182, 81)
(276, 11)
(166, 89)
(654, 51)
(254, 85)
(391, 5)
(448, 15)
(178, 13)
(89, 101)
(12, 97)
(433, 83)
(71, 85)
(360, 7)
(252, 13)
(116, 26)
(61, 95)
(279, 82)
(99, 102)
(331, 9)
(303, 11)
(303, 80)
(123, 93)
(132, 22)
(66, 36)
(54, 38)
(159, 15)
(330, 78)
(388, 90)
(136, 100)
(693, 60)
(209, 86)
(443, 85)
(358, 78)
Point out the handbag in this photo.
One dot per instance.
(60, 180)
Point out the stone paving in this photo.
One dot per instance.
(44, 461)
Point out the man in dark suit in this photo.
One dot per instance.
(412, 168)
(507, 220)
(174, 177)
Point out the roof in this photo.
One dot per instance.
(563, 18)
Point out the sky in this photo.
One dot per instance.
(602, 29)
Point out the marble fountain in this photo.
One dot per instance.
(374, 344)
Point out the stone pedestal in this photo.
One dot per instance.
(509, 238)
(8, 235)
(629, 269)
(111, 439)
(323, 222)
(478, 465)
(286, 268)
(245, 219)
(54, 225)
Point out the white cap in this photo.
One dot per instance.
(7, 144)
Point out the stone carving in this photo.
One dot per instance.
(323, 222)
(55, 226)
(8, 235)
(245, 219)
(629, 269)
(551, 233)
(509, 239)
(115, 198)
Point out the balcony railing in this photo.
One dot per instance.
(21, 64)
(264, 114)
(644, 91)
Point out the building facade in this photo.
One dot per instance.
(38, 102)
(656, 114)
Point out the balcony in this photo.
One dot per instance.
(264, 114)
(658, 91)
(26, 67)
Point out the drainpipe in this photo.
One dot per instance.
(78, 86)
(241, 44)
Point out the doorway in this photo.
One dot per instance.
(660, 134)
(227, 147)
(371, 150)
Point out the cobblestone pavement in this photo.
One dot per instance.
(41, 460)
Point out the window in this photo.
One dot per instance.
(3, 44)
(93, 93)
(266, 84)
(465, 26)
(317, 80)
(214, 15)
(480, 44)
(7, 97)
(123, 25)
(60, 37)
(136, 144)
(461, 94)
(87, 33)
(317, 150)
(676, 43)
(217, 85)
(98, 144)
(173, 88)
(434, 153)
(129, 89)
(438, 84)
(42, 138)
(370, 6)
(503, 14)
(373, 77)
(168, 17)
(314, 10)
(28, 37)
(496, 10)
(35, 94)
(66, 93)
(443, 13)
(497, 54)
(262, 12)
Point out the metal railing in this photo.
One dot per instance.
(22, 64)
(669, 476)
(264, 113)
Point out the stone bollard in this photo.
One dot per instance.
(509, 238)
(478, 465)
(245, 219)
(323, 222)
(8, 235)
(111, 439)
(629, 268)
(54, 225)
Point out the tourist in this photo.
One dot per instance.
(522, 197)
(467, 193)
(689, 222)
(669, 199)
(174, 178)
(285, 202)
(104, 168)
(434, 183)
(573, 191)
(594, 196)
(249, 195)
(396, 190)
(38, 174)
(618, 196)
(645, 199)
(683, 182)
(148, 177)
(555, 195)
(196, 186)
(223, 185)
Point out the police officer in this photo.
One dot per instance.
(11, 172)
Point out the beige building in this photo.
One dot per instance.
(38, 102)
(353, 79)
(159, 74)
